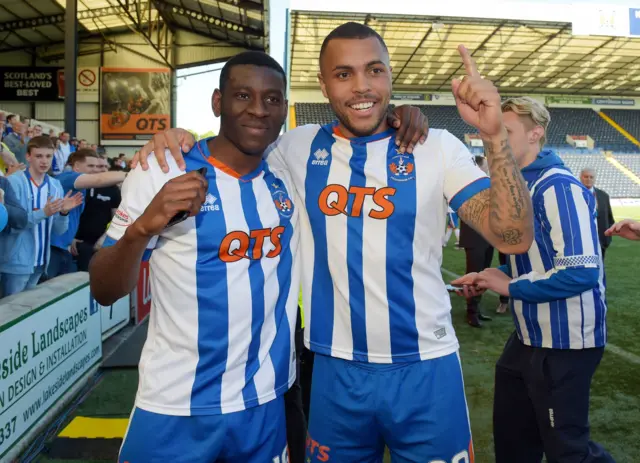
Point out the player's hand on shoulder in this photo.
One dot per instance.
(185, 193)
(175, 140)
(412, 125)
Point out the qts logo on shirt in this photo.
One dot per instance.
(333, 200)
(317, 451)
(239, 245)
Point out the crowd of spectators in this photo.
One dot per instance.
(57, 197)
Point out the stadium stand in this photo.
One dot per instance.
(630, 161)
(609, 177)
(628, 119)
(565, 121)
(314, 113)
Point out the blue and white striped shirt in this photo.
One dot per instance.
(224, 291)
(558, 292)
(372, 221)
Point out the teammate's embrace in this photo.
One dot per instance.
(219, 353)
(377, 313)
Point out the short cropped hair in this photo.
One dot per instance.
(255, 58)
(81, 155)
(352, 30)
(531, 110)
(41, 141)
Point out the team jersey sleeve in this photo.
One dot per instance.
(138, 190)
(287, 153)
(568, 213)
(463, 179)
(68, 180)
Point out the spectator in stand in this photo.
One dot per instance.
(605, 213)
(25, 254)
(59, 163)
(16, 214)
(17, 141)
(628, 229)
(65, 149)
(11, 119)
(100, 206)
(84, 174)
(82, 144)
(7, 158)
(3, 212)
(52, 133)
(122, 161)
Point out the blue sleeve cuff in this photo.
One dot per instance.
(505, 269)
(108, 242)
(469, 191)
(561, 285)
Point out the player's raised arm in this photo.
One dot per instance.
(138, 222)
(503, 214)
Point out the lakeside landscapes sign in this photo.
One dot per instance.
(41, 356)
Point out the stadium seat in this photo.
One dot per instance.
(572, 121)
(608, 177)
(627, 119)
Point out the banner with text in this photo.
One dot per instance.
(614, 101)
(134, 103)
(605, 19)
(41, 357)
(28, 83)
(578, 100)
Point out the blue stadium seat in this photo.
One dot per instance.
(628, 119)
(571, 121)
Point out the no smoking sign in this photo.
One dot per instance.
(86, 77)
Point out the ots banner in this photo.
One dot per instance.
(134, 103)
(26, 83)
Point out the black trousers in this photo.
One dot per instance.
(294, 411)
(541, 405)
(478, 259)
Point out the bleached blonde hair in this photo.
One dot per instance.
(531, 111)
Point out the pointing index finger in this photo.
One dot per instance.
(467, 60)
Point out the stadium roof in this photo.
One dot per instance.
(518, 56)
(27, 24)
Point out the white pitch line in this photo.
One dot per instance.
(633, 358)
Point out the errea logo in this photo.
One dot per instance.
(321, 156)
(210, 204)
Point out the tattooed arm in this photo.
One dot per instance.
(503, 213)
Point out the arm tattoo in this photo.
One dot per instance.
(503, 212)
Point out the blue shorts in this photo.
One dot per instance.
(256, 435)
(418, 410)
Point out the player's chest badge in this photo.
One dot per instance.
(402, 167)
(281, 199)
